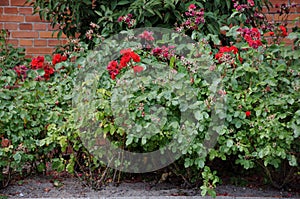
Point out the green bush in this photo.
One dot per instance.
(261, 93)
(33, 96)
(257, 102)
(78, 17)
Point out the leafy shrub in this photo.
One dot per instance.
(258, 103)
(260, 87)
(33, 96)
(9, 56)
(77, 17)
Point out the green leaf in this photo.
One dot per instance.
(40, 72)
(123, 2)
(229, 143)
(129, 140)
(198, 115)
(17, 157)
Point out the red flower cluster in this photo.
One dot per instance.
(147, 35)
(38, 63)
(21, 71)
(127, 19)
(283, 31)
(279, 32)
(58, 58)
(127, 55)
(252, 36)
(164, 52)
(195, 18)
(224, 54)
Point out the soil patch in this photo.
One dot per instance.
(40, 186)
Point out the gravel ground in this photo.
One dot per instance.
(70, 187)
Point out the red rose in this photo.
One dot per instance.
(192, 7)
(64, 58)
(124, 60)
(112, 65)
(248, 113)
(125, 51)
(135, 57)
(37, 62)
(283, 31)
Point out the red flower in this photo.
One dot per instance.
(147, 35)
(283, 31)
(254, 43)
(37, 62)
(48, 72)
(125, 51)
(227, 49)
(248, 113)
(135, 57)
(252, 36)
(138, 69)
(64, 58)
(124, 60)
(112, 65)
(113, 69)
(114, 73)
(192, 7)
(232, 49)
(271, 33)
(58, 58)
(128, 54)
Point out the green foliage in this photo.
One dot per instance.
(76, 17)
(9, 56)
(258, 101)
(28, 107)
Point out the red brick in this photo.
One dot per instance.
(9, 10)
(26, 26)
(298, 8)
(39, 51)
(50, 34)
(40, 42)
(272, 10)
(55, 42)
(11, 26)
(274, 2)
(34, 18)
(290, 17)
(14, 42)
(47, 34)
(26, 42)
(26, 11)
(17, 2)
(1, 26)
(28, 56)
(4, 2)
(1, 10)
(25, 34)
(270, 17)
(9, 18)
(40, 26)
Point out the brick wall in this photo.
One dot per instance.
(29, 32)
(26, 30)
